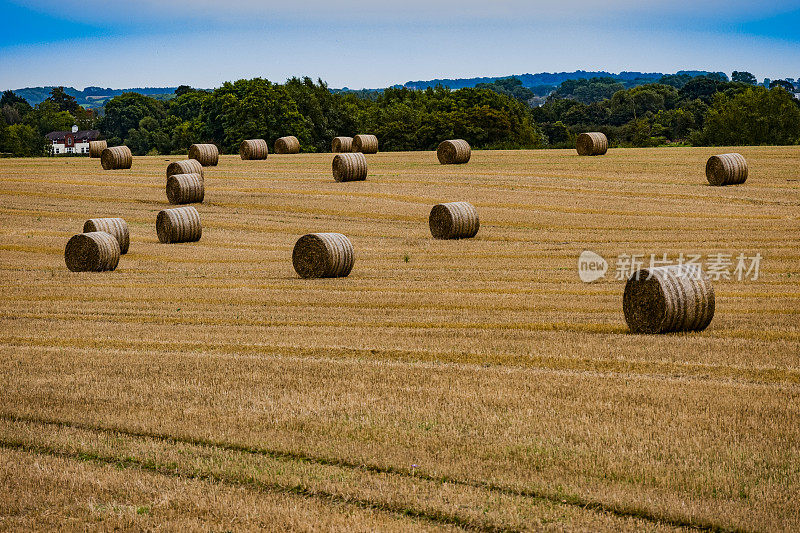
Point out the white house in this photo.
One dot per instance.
(71, 142)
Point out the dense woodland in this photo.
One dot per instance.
(679, 109)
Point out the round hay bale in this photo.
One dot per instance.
(116, 158)
(323, 255)
(115, 226)
(342, 144)
(96, 148)
(206, 154)
(594, 143)
(454, 152)
(350, 167)
(366, 144)
(667, 299)
(287, 145)
(454, 220)
(187, 166)
(253, 149)
(726, 169)
(96, 251)
(180, 224)
(185, 189)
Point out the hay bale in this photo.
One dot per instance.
(454, 152)
(669, 298)
(342, 145)
(180, 224)
(115, 226)
(187, 166)
(594, 143)
(116, 158)
(253, 149)
(287, 145)
(350, 167)
(323, 255)
(206, 154)
(185, 189)
(96, 148)
(454, 220)
(726, 169)
(366, 144)
(96, 251)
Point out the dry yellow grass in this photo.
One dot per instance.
(445, 384)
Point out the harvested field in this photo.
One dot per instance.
(442, 385)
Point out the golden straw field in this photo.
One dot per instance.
(475, 384)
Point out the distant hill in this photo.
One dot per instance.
(541, 84)
(530, 81)
(92, 97)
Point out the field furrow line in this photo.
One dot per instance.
(81, 451)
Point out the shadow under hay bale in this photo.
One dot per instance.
(350, 167)
(253, 149)
(454, 220)
(186, 166)
(116, 158)
(287, 145)
(180, 224)
(342, 145)
(205, 154)
(96, 148)
(114, 226)
(668, 299)
(594, 143)
(185, 189)
(454, 152)
(366, 144)
(726, 169)
(97, 251)
(323, 255)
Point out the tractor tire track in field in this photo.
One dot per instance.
(431, 515)
(252, 484)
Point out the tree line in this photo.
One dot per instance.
(678, 109)
(704, 110)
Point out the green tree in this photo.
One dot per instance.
(63, 101)
(14, 108)
(188, 105)
(702, 88)
(744, 77)
(781, 83)
(676, 80)
(248, 109)
(757, 116)
(124, 112)
(46, 117)
(10, 98)
(588, 90)
(325, 114)
(183, 89)
(510, 87)
(22, 140)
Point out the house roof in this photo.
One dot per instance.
(89, 135)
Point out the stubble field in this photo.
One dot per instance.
(473, 384)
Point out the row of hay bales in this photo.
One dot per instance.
(103, 240)
(657, 300)
(723, 169)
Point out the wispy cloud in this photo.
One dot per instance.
(204, 43)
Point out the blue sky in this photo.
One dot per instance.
(118, 43)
